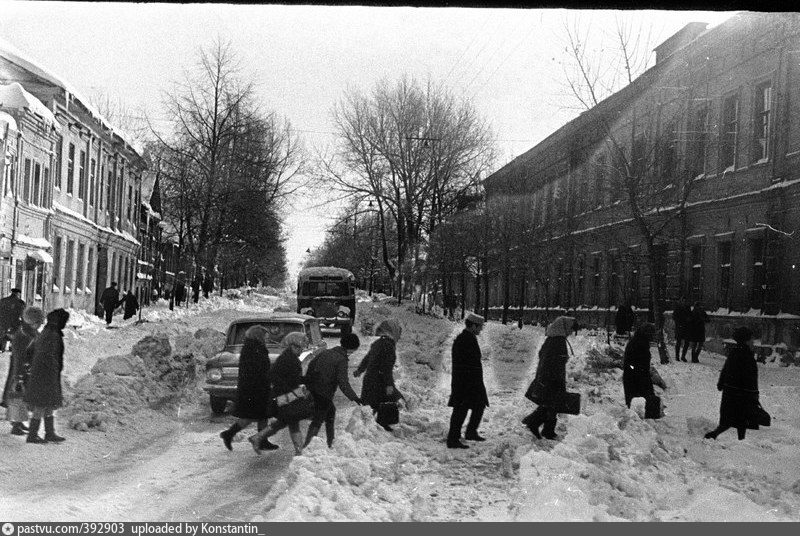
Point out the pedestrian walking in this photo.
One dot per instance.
(738, 381)
(43, 390)
(19, 369)
(253, 398)
(697, 330)
(180, 291)
(549, 386)
(377, 367)
(196, 282)
(11, 308)
(636, 378)
(326, 373)
(131, 305)
(286, 375)
(624, 319)
(467, 391)
(682, 316)
(109, 299)
(208, 285)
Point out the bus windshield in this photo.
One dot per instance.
(325, 288)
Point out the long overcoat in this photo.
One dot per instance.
(131, 305)
(682, 316)
(738, 382)
(21, 355)
(253, 389)
(109, 299)
(11, 309)
(44, 385)
(466, 384)
(697, 325)
(550, 384)
(636, 379)
(377, 367)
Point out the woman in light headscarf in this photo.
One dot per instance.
(550, 384)
(378, 385)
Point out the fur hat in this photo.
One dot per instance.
(58, 318)
(33, 316)
(742, 334)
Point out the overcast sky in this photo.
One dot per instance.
(508, 61)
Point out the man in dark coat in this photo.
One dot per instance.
(11, 308)
(131, 305)
(252, 388)
(326, 373)
(681, 316)
(624, 319)
(208, 285)
(636, 378)
(467, 389)
(180, 292)
(19, 369)
(549, 387)
(196, 289)
(109, 299)
(43, 391)
(738, 382)
(697, 330)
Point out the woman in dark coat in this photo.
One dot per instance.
(252, 387)
(697, 330)
(286, 375)
(378, 384)
(682, 315)
(43, 391)
(19, 369)
(131, 305)
(636, 378)
(738, 382)
(550, 384)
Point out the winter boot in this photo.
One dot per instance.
(329, 434)
(313, 430)
(740, 433)
(17, 428)
(228, 435)
(33, 432)
(549, 429)
(50, 431)
(297, 441)
(456, 444)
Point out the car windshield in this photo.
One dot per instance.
(276, 331)
(325, 288)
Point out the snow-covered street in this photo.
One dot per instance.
(168, 463)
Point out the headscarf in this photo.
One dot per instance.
(742, 334)
(646, 331)
(390, 328)
(560, 327)
(58, 318)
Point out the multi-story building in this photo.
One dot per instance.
(75, 193)
(703, 150)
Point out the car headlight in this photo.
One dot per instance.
(307, 311)
(343, 311)
(214, 374)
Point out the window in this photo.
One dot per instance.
(101, 190)
(46, 187)
(26, 181)
(113, 267)
(634, 282)
(89, 267)
(8, 178)
(130, 201)
(724, 258)
(109, 206)
(613, 280)
(37, 184)
(57, 261)
(763, 109)
(600, 181)
(82, 176)
(698, 139)
(668, 153)
(92, 167)
(696, 280)
(581, 276)
(79, 282)
(69, 267)
(70, 167)
(59, 161)
(730, 132)
(596, 288)
(759, 284)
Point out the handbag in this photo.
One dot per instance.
(653, 408)
(762, 418)
(388, 413)
(570, 403)
(296, 405)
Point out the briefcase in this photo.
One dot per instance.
(388, 413)
(570, 404)
(653, 408)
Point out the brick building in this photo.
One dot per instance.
(719, 115)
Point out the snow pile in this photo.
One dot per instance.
(152, 375)
(254, 303)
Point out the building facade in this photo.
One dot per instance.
(691, 171)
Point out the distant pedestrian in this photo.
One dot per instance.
(196, 282)
(180, 292)
(738, 382)
(378, 366)
(208, 285)
(19, 369)
(467, 391)
(109, 299)
(253, 398)
(549, 387)
(681, 316)
(11, 308)
(131, 305)
(43, 391)
(636, 378)
(286, 375)
(697, 330)
(624, 319)
(326, 373)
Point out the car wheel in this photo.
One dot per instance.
(218, 404)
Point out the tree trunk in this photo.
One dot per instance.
(655, 303)
(506, 289)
